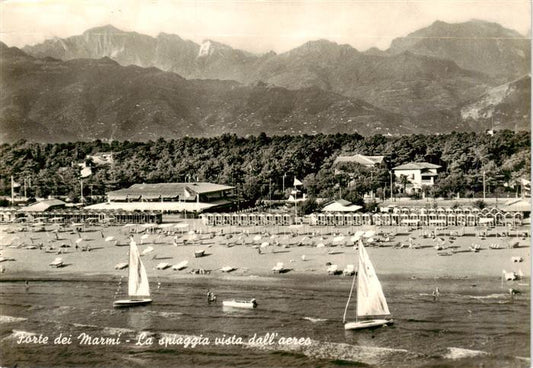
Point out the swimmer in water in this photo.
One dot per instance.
(436, 294)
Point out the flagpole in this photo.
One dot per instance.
(12, 191)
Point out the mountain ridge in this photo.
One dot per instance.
(90, 99)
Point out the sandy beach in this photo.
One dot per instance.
(253, 251)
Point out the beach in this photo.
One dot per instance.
(96, 250)
(474, 321)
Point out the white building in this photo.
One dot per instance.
(367, 161)
(418, 174)
(172, 197)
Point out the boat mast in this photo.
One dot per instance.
(349, 298)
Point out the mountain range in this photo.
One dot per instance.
(111, 84)
(50, 100)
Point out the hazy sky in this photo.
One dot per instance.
(256, 26)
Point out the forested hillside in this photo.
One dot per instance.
(255, 163)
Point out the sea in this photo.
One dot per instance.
(298, 323)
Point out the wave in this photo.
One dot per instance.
(460, 353)
(165, 314)
(16, 334)
(315, 320)
(10, 319)
(370, 355)
(82, 325)
(490, 296)
(117, 330)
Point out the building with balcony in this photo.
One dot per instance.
(417, 175)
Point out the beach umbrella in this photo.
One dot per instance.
(257, 237)
(265, 244)
(109, 238)
(79, 240)
(338, 239)
(320, 245)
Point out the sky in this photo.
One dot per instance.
(253, 25)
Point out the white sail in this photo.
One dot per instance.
(138, 280)
(370, 298)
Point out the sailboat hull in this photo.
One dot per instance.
(127, 303)
(372, 323)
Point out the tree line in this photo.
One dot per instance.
(263, 167)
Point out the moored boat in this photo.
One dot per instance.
(245, 304)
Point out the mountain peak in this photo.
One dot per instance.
(321, 46)
(106, 29)
(505, 51)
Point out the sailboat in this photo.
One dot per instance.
(138, 288)
(372, 308)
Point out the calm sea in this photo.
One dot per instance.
(473, 324)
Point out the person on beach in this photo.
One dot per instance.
(211, 297)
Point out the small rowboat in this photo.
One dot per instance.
(245, 304)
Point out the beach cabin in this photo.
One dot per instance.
(423, 217)
(471, 219)
(288, 219)
(386, 219)
(499, 219)
(518, 219)
(348, 219)
(452, 219)
(395, 219)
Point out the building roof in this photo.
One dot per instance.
(417, 166)
(157, 206)
(44, 205)
(360, 159)
(341, 205)
(521, 205)
(167, 190)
